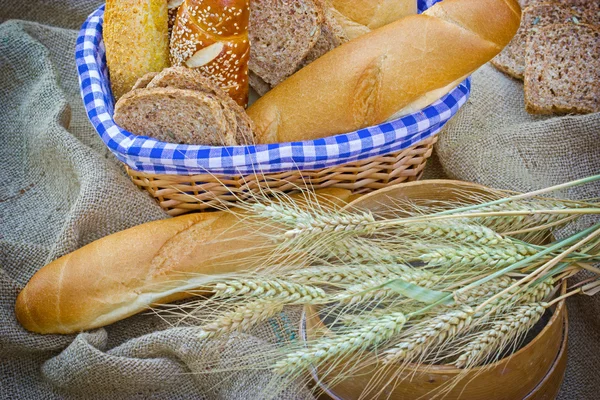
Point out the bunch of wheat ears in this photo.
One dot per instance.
(453, 283)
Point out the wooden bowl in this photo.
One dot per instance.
(534, 372)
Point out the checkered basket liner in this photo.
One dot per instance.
(147, 158)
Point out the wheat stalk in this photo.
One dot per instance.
(304, 223)
(456, 231)
(276, 289)
(372, 289)
(242, 318)
(430, 333)
(349, 274)
(506, 224)
(469, 257)
(502, 332)
(371, 334)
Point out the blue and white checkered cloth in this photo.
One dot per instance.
(145, 154)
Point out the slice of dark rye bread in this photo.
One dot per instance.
(185, 78)
(282, 33)
(512, 59)
(332, 34)
(527, 3)
(199, 111)
(174, 115)
(562, 74)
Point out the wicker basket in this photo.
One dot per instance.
(184, 178)
(179, 194)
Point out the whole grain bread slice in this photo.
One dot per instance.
(175, 115)
(144, 80)
(261, 87)
(332, 35)
(282, 33)
(192, 79)
(562, 73)
(512, 59)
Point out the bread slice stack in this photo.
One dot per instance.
(561, 74)
(180, 105)
(287, 35)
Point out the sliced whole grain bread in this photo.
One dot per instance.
(562, 74)
(568, 3)
(144, 80)
(175, 115)
(261, 87)
(512, 59)
(332, 35)
(192, 79)
(282, 33)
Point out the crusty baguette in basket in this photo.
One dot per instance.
(405, 65)
(124, 273)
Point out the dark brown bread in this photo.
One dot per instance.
(282, 33)
(191, 79)
(176, 116)
(562, 74)
(332, 35)
(261, 87)
(144, 80)
(512, 59)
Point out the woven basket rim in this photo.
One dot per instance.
(145, 154)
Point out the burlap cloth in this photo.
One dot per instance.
(60, 189)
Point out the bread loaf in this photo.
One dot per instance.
(367, 80)
(136, 39)
(126, 272)
(212, 36)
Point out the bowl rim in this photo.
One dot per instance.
(145, 154)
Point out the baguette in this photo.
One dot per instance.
(369, 79)
(126, 272)
(136, 38)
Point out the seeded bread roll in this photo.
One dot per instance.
(135, 34)
(404, 65)
(212, 36)
(129, 271)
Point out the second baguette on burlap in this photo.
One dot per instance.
(407, 64)
(156, 262)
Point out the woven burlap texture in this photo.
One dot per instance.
(61, 189)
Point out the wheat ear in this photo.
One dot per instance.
(430, 333)
(372, 290)
(457, 232)
(345, 274)
(473, 256)
(276, 289)
(502, 332)
(242, 318)
(505, 224)
(371, 334)
(304, 223)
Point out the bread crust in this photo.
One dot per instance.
(128, 271)
(212, 36)
(135, 34)
(405, 60)
(375, 13)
